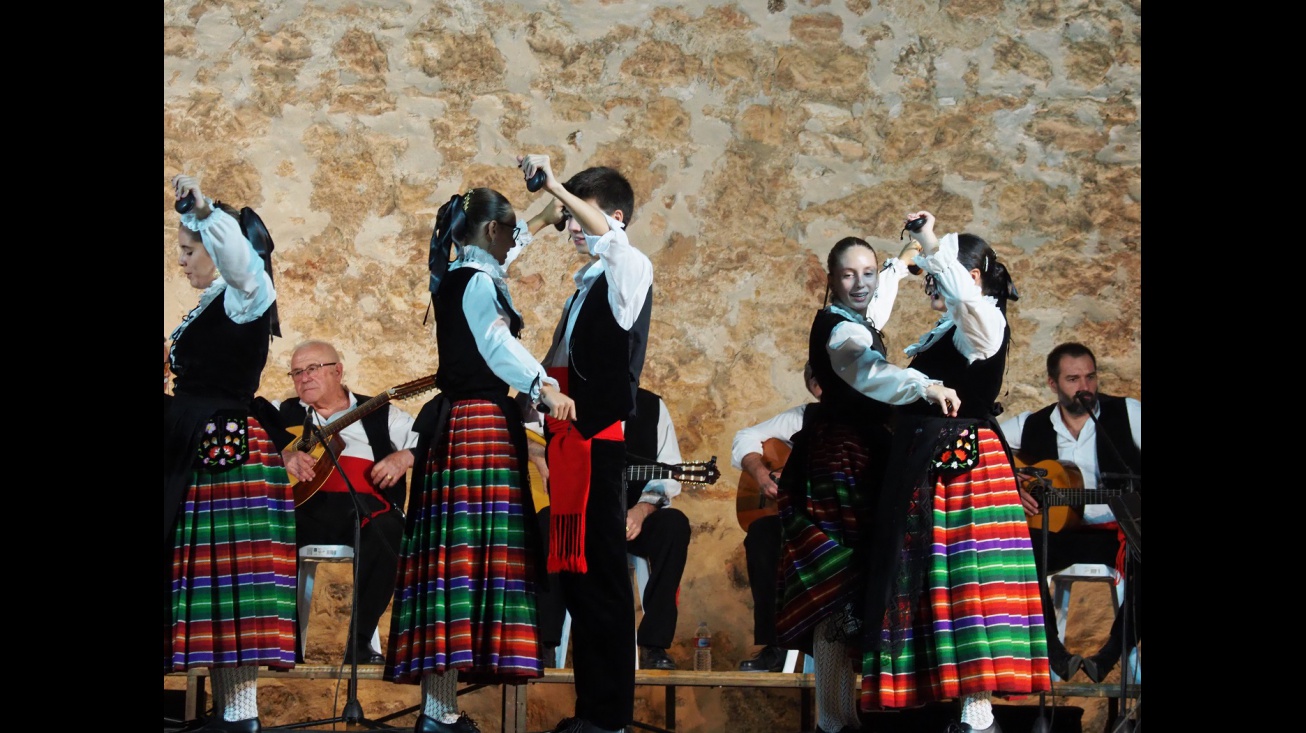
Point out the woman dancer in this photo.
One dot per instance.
(229, 512)
(831, 478)
(952, 589)
(464, 603)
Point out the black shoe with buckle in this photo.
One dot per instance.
(770, 659)
(366, 656)
(463, 724)
(217, 725)
(577, 725)
(651, 658)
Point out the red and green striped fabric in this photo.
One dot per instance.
(818, 577)
(466, 597)
(979, 625)
(232, 599)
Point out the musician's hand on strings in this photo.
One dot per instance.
(387, 471)
(635, 517)
(538, 456)
(299, 464)
(769, 484)
(561, 407)
(1027, 500)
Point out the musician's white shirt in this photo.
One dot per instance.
(1081, 451)
(357, 457)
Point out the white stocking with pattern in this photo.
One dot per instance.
(977, 710)
(836, 705)
(235, 692)
(440, 696)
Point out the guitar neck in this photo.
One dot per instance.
(309, 442)
(646, 472)
(1077, 497)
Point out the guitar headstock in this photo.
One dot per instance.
(702, 473)
(409, 389)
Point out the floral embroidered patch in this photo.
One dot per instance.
(960, 453)
(225, 443)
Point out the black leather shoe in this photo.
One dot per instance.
(217, 725)
(463, 724)
(365, 657)
(1099, 665)
(770, 659)
(955, 727)
(1065, 665)
(577, 725)
(650, 658)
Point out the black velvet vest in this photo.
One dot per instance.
(838, 398)
(605, 361)
(217, 357)
(463, 371)
(977, 384)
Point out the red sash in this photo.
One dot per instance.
(569, 486)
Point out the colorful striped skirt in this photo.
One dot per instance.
(823, 506)
(978, 624)
(465, 597)
(232, 595)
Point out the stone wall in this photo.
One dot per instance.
(755, 135)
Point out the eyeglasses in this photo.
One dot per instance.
(310, 370)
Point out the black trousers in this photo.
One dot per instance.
(1088, 545)
(762, 555)
(327, 518)
(601, 601)
(664, 542)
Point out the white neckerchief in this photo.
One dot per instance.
(478, 259)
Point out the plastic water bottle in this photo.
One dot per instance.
(702, 648)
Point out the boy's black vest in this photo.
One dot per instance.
(605, 361)
(377, 426)
(1038, 441)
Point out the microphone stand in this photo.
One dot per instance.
(353, 711)
(1039, 476)
(1089, 401)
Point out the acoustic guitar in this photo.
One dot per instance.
(750, 504)
(312, 443)
(1060, 488)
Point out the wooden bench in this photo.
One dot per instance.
(514, 696)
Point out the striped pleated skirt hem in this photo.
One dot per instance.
(465, 599)
(232, 596)
(978, 626)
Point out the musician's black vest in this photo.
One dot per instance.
(605, 361)
(377, 426)
(1038, 441)
(466, 373)
(838, 398)
(642, 439)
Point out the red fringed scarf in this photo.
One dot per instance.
(569, 486)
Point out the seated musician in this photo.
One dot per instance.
(376, 458)
(1064, 431)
